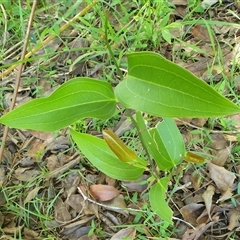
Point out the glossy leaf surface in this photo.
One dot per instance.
(75, 99)
(159, 87)
(169, 141)
(100, 155)
(157, 197)
(118, 147)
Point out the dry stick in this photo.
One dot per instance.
(85, 198)
(34, 50)
(49, 38)
(5, 133)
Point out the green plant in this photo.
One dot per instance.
(154, 86)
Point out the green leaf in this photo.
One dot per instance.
(123, 153)
(159, 87)
(75, 99)
(151, 145)
(169, 141)
(164, 142)
(157, 200)
(119, 148)
(101, 156)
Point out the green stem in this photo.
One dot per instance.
(140, 128)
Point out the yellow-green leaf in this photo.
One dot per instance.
(193, 158)
(118, 147)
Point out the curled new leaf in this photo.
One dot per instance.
(118, 147)
(193, 158)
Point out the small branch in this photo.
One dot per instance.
(85, 198)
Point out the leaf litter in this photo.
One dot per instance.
(46, 166)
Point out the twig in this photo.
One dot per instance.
(85, 198)
(5, 133)
(49, 38)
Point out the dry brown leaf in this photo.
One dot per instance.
(72, 227)
(191, 212)
(200, 33)
(42, 135)
(117, 205)
(233, 216)
(197, 233)
(223, 179)
(221, 156)
(199, 122)
(25, 174)
(91, 208)
(191, 234)
(207, 197)
(32, 194)
(61, 212)
(128, 233)
(75, 201)
(103, 192)
(79, 233)
(86, 237)
(2, 175)
(56, 172)
(218, 141)
(30, 234)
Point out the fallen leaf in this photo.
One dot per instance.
(218, 141)
(200, 33)
(30, 234)
(25, 174)
(191, 212)
(223, 179)
(103, 192)
(61, 212)
(72, 227)
(207, 197)
(221, 156)
(75, 201)
(136, 186)
(128, 233)
(118, 205)
(233, 216)
(191, 234)
(2, 175)
(32, 194)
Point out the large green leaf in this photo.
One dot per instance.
(157, 196)
(159, 87)
(75, 99)
(101, 156)
(169, 141)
